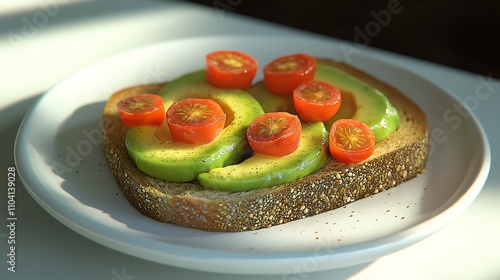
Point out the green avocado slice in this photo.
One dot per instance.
(360, 101)
(174, 161)
(260, 171)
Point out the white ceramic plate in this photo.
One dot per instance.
(59, 157)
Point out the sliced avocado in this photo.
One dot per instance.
(260, 171)
(174, 161)
(360, 101)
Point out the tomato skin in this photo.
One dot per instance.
(345, 132)
(275, 134)
(316, 101)
(195, 121)
(230, 69)
(285, 73)
(142, 109)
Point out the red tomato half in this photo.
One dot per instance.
(230, 69)
(142, 109)
(195, 121)
(351, 140)
(316, 101)
(284, 74)
(275, 134)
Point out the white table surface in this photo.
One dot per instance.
(42, 42)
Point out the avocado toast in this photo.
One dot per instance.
(397, 158)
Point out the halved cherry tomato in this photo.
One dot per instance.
(351, 140)
(142, 109)
(195, 121)
(316, 101)
(230, 69)
(285, 73)
(275, 134)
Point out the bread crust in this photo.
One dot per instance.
(396, 159)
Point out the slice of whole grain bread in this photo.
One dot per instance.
(398, 158)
